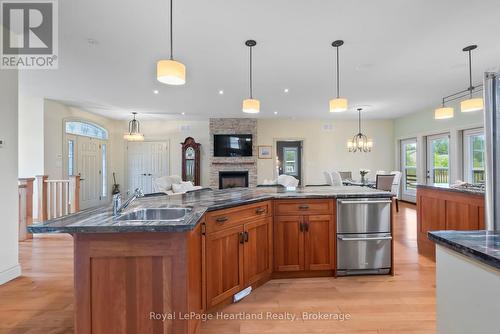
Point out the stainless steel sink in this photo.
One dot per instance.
(151, 214)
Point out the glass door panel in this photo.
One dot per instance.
(409, 168)
(438, 159)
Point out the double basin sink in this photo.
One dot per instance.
(140, 216)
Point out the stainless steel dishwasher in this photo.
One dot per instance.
(363, 236)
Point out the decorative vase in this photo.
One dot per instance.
(363, 180)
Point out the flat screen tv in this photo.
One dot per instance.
(233, 145)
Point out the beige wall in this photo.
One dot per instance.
(9, 260)
(325, 146)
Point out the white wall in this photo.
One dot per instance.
(421, 124)
(9, 261)
(326, 149)
(174, 132)
(31, 149)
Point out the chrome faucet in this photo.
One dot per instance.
(118, 207)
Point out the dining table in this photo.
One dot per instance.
(366, 183)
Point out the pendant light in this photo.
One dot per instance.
(170, 71)
(360, 143)
(134, 131)
(251, 105)
(472, 104)
(338, 104)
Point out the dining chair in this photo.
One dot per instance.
(381, 172)
(328, 178)
(336, 179)
(346, 175)
(384, 182)
(396, 186)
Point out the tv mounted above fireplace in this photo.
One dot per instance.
(233, 145)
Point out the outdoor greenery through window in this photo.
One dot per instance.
(291, 160)
(474, 156)
(440, 160)
(410, 165)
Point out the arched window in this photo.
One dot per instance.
(86, 129)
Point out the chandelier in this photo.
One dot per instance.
(360, 143)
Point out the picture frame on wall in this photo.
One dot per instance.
(265, 152)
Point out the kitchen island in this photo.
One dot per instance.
(467, 281)
(148, 276)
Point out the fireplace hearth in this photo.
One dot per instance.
(233, 179)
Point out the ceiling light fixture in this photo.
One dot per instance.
(221, 92)
(471, 104)
(170, 71)
(156, 91)
(338, 104)
(251, 105)
(360, 143)
(286, 90)
(134, 131)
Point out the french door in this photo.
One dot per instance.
(408, 163)
(438, 159)
(91, 164)
(146, 162)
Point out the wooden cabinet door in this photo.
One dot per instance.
(258, 250)
(288, 243)
(224, 264)
(319, 242)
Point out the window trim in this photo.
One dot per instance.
(466, 151)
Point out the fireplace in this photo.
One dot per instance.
(233, 179)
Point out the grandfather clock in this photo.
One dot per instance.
(191, 161)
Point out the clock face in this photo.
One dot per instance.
(190, 153)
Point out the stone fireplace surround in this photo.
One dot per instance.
(229, 126)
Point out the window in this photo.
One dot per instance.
(104, 188)
(474, 156)
(291, 160)
(86, 129)
(438, 156)
(71, 157)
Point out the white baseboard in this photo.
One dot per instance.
(10, 274)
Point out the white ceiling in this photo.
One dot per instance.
(399, 56)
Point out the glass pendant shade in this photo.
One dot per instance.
(443, 113)
(134, 133)
(472, 105)
(171, 72)
(251, 106)
(338, 105)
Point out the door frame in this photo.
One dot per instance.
(407, 196)
(126, 170)
(302, 154)
(430, 159)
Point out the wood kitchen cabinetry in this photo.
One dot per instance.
(304, 236)
(238, 250)
(444, 209)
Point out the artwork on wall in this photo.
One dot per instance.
(265, 152)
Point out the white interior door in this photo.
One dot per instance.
(409, 157)
(146, 162)
(89, 164)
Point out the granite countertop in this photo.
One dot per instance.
(483, 246)
(447, 187)
(100, 219)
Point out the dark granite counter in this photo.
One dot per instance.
(483, 246)
(469, 191)
(101, 220)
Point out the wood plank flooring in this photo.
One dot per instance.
(41, 301)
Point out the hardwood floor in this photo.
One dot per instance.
(41, 301)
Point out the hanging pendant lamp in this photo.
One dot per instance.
(360, 143)
(251, 105)
(338, 104)
(134, 130)
(170, 71)
(444, 112)
(472, 104)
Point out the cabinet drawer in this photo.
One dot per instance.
(222, 219)
(304, 207)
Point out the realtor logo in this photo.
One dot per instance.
(29, 37)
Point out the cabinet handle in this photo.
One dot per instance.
(221, 220)
(246, 236)
(260, 210)
(303, 207)
(242, 237)
(301, 227)
(306, 227)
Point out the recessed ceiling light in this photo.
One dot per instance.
(221, 92)
(286, 90)
(156, 91)
(183, 113)
(276, 113)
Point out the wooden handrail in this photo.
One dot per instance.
(57, 198)
(42, 197)
(25, 207)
